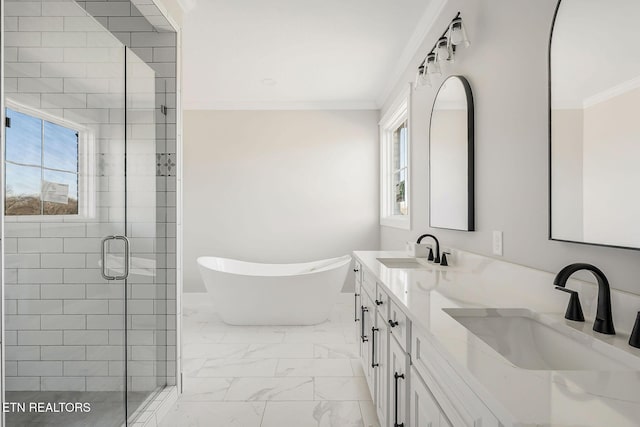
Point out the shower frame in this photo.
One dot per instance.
(175, 379)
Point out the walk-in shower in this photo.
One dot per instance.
(89, 210)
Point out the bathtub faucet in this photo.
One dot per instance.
(435, 239)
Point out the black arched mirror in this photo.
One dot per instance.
(451, 170)
(594, 75)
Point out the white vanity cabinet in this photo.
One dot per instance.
(357, 271)
(367, 313)
(398, 381)
(455, 398)
(411, 384)
(425, 411)
(399, 326)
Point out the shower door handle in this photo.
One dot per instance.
(103, 252)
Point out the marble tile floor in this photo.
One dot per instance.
(268, 376)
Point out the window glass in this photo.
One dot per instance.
(24, 139)
(22, 190)
(400, 193)
(41, 167)
(60, 147)
(400, 163)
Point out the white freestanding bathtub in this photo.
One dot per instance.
(247, 293)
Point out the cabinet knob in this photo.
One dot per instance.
(378, 302)
(393, 323)
(355, 270)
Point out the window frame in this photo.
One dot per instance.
(398, 112)
(86, 165)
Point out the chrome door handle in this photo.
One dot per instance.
(126, 257)
(103, 270)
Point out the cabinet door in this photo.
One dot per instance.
(423, 409)
(381, 363)
(357, 270)
(397, 390)
(382, 301)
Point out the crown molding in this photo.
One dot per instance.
(283, 105)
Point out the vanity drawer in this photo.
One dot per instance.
(357, 270)
(369, 283)
(382, 301)
(399, 325)
(459, 404)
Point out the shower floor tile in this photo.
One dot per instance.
(107, 409)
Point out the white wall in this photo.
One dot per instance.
(278, 186)
(506, 65)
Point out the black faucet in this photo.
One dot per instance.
(435, 239)
(604, 319)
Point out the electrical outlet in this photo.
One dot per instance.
(497, 243)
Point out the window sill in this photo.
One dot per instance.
(44, 218)
(397, 221)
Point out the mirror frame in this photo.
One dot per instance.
(550, 148)
(470, 155)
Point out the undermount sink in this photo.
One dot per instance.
(529, 342)
(403, 263)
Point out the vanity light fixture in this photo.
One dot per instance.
(433, 68)
(442, 52)
(458, 34)
(422, 79)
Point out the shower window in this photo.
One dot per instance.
(41, 164)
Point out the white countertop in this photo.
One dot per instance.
(517, 396)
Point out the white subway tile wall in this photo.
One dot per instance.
(64, 323)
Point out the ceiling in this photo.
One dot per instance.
(298, 54)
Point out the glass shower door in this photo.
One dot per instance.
(146, 285)
(65, 218)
